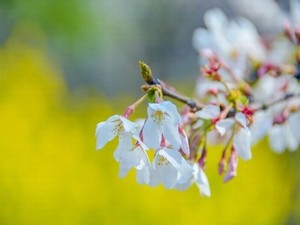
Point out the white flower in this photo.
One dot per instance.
(261, 125)
(286, 135)
(168, 167)
(269, 88)
(199, 178)
(242, 134)
(134, 157)
(163, 120)
(232, 41)
(116, 126)
(263, 91)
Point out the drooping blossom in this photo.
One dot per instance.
(162, 121)
(241, 134)
(199, 178)
(168, 167)
(116, 126)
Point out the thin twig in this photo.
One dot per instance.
(192, 103)
(286, 97)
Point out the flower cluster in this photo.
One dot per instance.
(162, 133)
(266, 72)
(248, 88)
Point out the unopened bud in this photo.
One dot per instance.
(281, 118)
(213, 91)
(233, 162)
(146, 73)
(202, 160)
(297, 34)
(287, 30)
(222, 165)
(129, 110)
(194, 143)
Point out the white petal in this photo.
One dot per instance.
(241, 142)
(143, 175)
(132, 158)
(209, 112)
(202, 182)
(171, 133)
(183, 186)
(168, 176)
(295, 11)
(241, 119)
(173, 156)
(176, 159)
(294, 122)
(184, 142)
(151, 134)
(128, 125)
(276, 139)
(171, 110)
(125, 143)
(290, 138)
(164, 173)
(262, 123)
(223, 126)
(203, 39)
(183, 183)
(215, 19)
(264, 89)
(104, 133)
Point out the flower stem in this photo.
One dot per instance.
(130, 109)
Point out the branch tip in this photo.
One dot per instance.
(146, 73)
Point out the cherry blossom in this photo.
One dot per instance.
(247, 89)
(168, 167)
(241, 134)
(163, 120)
(199, 178)
(116, 126)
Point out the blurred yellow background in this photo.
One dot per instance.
(50, 172)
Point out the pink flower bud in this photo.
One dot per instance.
(233, 162)
(129, 110)
(194, 143)
(222, 164)
(281, 118)
(297, 33)
(202, 159)
(213, 91)
(287, 30)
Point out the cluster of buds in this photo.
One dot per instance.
(247, 89)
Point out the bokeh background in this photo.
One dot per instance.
(65, 66)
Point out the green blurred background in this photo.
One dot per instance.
(63, 67)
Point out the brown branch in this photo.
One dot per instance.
(192, 103)
(166, 91)
(286, 97)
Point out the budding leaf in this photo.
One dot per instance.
(146, 72)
